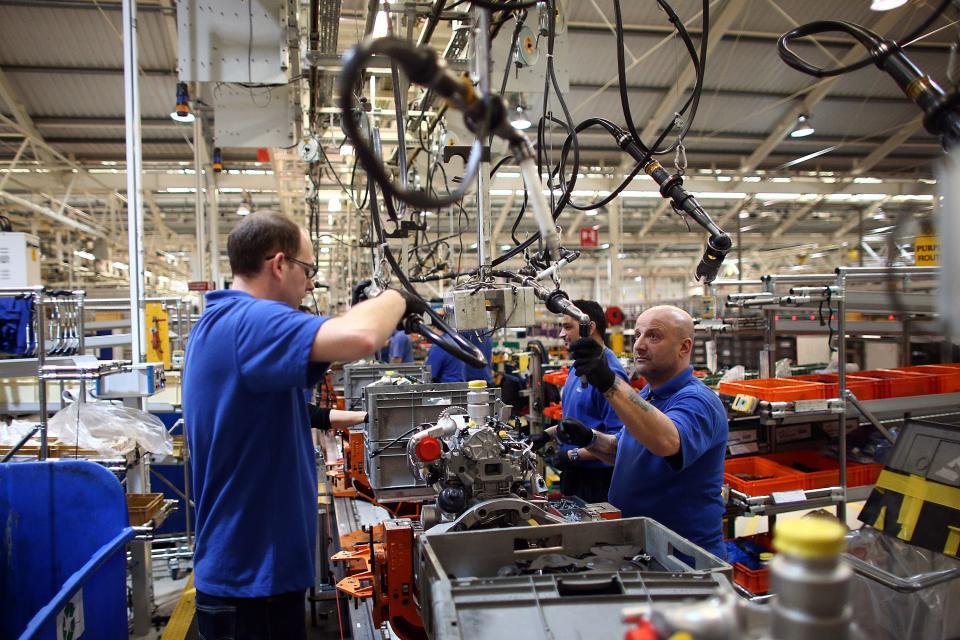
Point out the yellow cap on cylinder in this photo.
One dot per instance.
(809, 537)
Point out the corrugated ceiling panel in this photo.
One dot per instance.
(91, 95)
(78, 37)
(44, 36)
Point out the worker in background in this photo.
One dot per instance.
(401, 347)
(485, 343)
(669, 455)
(444, 367)
(251, 355)
(584, 474)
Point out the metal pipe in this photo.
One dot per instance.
(811, 277)
(721, 282)
(866, 413)
(199, 228)
(38, 305)
(905, 271)
(842, 385)
(135, 257)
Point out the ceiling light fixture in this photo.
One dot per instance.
(803, 128)
(520, 120)
(886, 5)
(181, 113)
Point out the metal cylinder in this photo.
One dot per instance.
(812, 586)
(478, 402)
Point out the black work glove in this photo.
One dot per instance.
(572, 431)
(319, 418)
(415, 304)
(538, 441)
(589, 360)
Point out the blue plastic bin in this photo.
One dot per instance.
(65, 530)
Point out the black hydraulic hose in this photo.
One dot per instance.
(419, 65)
(941, 111)
(693, 100)
(863, 35)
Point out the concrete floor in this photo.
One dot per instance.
(167, 593)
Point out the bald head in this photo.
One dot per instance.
(663, 343)
(675, 317)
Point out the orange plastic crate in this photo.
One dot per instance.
(900, 383)
(775, 389)
(558, 378)
(948, 377)
(756, 581)
(776, 477)
(864, 388)
(827, 470)
(554, 410)
(859, 475)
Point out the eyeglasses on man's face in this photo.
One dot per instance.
(309, 269)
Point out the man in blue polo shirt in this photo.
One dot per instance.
(669, 455)
(582, 473)
(249, 359)
(444, 367)
(401, 347)
(485, 344)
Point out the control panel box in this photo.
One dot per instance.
(19, 260)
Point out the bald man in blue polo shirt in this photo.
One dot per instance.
(668, 458)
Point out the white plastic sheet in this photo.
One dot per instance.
(110, 429)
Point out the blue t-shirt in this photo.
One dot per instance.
(485, 345)
(401, 346)
(444, 367)
(590, 407)
(251, 454)
(681, 492)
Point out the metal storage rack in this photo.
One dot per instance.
(834, 290)
(66, 328)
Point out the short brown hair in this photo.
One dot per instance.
(258, 237)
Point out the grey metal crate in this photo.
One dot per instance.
(388, 471)
(393, 410)
(357, 376)
(462, 597)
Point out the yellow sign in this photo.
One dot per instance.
(926, 251)
(158, 336)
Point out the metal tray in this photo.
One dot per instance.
(357, 376)
(462, 597)
(393, 410)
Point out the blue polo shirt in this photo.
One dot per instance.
(590, 407)
(401, 346)
(681, 492)
(444, 367)
(251, 454)
(485, 344)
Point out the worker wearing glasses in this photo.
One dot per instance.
(249, 359)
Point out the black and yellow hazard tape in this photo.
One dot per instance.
(916, 510)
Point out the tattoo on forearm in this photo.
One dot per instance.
(640, 402)
(632, 395)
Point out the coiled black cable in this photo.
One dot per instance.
(353, 63)
(864, 36)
